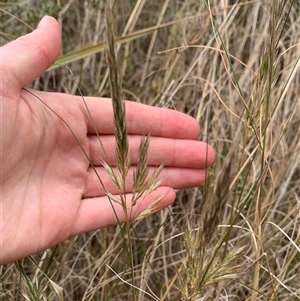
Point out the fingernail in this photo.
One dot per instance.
(44, 22)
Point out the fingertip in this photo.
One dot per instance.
(195, 128)
(211, 155)
(46, 20)
(98, 213)
(29, 56)
(167, 195)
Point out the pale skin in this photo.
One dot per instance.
(49, 191)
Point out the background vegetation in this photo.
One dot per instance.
(234, 66)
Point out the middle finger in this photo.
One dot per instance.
(170, 152)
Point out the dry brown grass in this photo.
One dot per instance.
(234, 66)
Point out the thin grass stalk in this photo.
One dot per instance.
(27, 280)
(121, 138)
(116, 95)
(263, 96)
(142, 184)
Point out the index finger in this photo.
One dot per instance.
(140, 120)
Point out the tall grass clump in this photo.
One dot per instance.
(234, 66)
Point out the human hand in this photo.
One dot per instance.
(49, 191)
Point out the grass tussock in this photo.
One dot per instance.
(234, 66)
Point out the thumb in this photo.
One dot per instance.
(26, 58)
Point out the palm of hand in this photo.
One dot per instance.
(47, 174)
